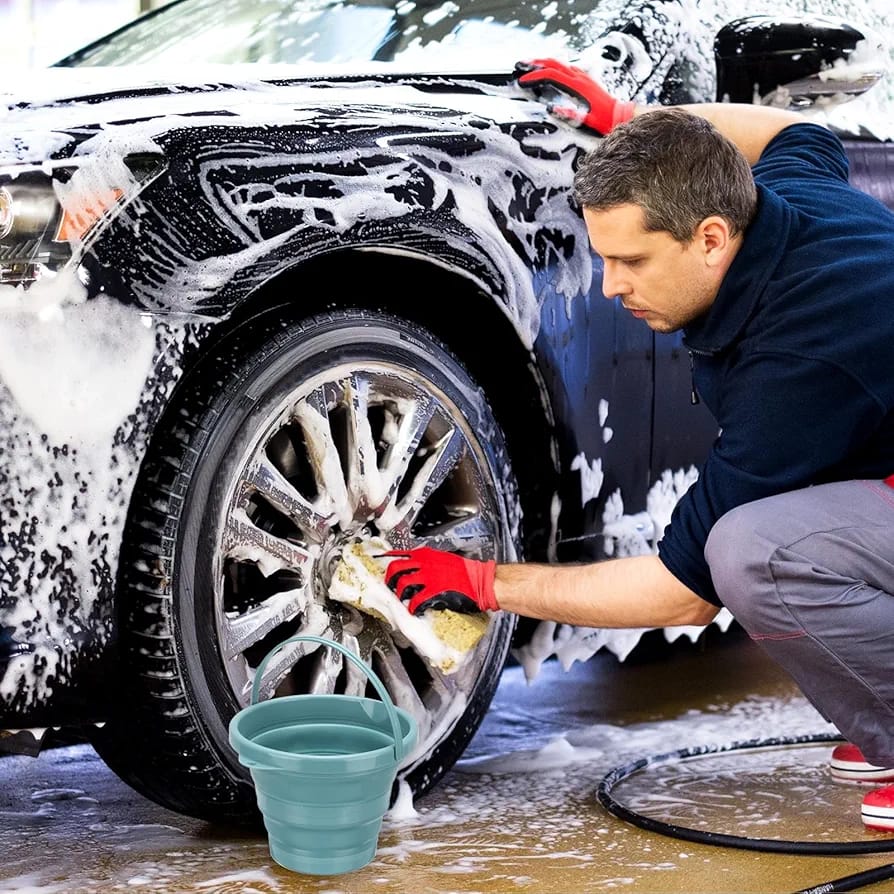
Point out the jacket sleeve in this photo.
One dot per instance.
(770, 442)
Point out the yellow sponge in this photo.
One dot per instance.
(444, 638)
(459, 630)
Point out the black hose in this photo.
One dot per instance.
(700, 836)
(852, 882)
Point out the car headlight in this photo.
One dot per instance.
(5, 212)
(39, 232)
(30, 220)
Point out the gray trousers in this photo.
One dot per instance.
(810, 576)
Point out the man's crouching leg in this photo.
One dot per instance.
(810, 576)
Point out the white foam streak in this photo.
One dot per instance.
(626, 534)
(402, 810)
(693, 728)
(78, 408)
(78, 372)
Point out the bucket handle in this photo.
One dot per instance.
(370, 673)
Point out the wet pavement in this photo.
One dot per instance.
(518, 814)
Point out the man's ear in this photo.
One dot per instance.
(713, 237)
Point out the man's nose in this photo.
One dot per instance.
(612, 284)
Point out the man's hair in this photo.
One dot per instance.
(676, 166)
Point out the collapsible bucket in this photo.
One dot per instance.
(323, 768)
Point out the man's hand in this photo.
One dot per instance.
(431, 578)
(602, 113)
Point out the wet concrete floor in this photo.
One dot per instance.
(518, 814)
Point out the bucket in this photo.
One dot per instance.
(323, 768)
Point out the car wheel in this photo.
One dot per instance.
(293, 440)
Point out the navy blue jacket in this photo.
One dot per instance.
(795, 357)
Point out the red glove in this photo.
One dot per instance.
(432, 578)
(603, 111)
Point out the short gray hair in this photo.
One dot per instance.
(676, 166)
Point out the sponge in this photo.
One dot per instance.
(443, 638)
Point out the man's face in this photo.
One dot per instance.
(664, 282)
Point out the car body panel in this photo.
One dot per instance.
(67, 479)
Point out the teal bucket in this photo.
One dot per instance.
(323, 768)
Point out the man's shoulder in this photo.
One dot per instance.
(802, 151)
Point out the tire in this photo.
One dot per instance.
(251, 487)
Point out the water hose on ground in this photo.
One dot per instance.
(700, 836)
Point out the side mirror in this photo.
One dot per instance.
(795, 62)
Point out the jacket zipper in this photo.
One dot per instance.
(693, 397)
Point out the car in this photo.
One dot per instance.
(280, 278)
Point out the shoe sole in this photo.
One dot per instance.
(879, 818)
(859, 771)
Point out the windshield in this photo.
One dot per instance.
(417, 35)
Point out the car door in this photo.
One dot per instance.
(599, 374)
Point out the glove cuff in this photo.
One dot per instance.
(622, 111)
(486, 571)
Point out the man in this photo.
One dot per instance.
(737, 225)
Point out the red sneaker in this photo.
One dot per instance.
(877, 811)
(849, 765)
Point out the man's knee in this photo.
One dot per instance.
(739, 558)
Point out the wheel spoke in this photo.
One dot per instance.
(241, 631)
(313, 417)
(473, 535)
(355, 679)
(316, 623)
(401, 689)
(265, 479)
(246, 542)
(440, 462)
(325, 673)
(416, 415)
(364, 478)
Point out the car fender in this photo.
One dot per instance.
(489, 196)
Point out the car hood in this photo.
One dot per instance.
(51, 85)
(60, 109)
